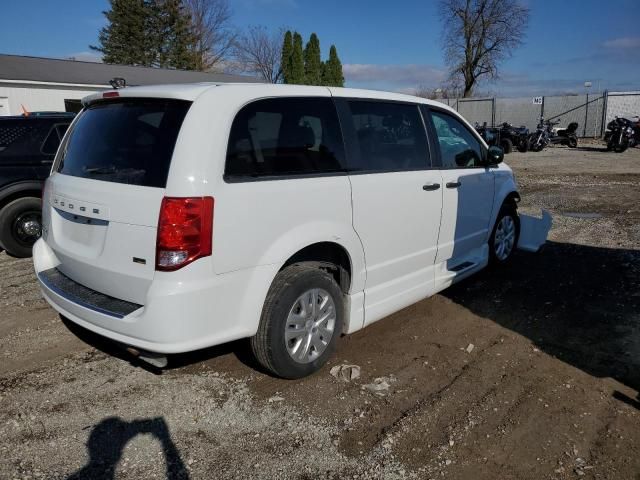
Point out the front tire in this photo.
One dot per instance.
(505, 235)
(20, 226)
(622, 146)
(301, 320)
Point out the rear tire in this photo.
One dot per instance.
(20, 226)
(507, 145)
(303, 307)
(573, 142)
(504, 238)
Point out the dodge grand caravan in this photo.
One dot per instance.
(181, 217)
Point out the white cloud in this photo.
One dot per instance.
(623, 42)
(403, 77)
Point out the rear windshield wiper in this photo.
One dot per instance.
(100, 170)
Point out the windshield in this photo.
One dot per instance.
(128, 141)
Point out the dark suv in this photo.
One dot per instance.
(27, 147)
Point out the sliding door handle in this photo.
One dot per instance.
(431, 186)
(453, 184)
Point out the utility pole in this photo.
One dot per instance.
(587, 85)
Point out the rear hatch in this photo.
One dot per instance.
(103, 198)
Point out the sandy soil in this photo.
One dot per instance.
(548, 389)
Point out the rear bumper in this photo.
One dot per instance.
(181, 313)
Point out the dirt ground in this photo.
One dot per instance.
(531, 371)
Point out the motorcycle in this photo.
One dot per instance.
(619, 135)
(545, 135)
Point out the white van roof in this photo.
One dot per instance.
(190, 91)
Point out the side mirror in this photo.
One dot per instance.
(495, 155)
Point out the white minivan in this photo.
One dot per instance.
(185, 216)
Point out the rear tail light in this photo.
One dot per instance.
(185, 229)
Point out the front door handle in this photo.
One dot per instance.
(431, 186)
(453, 184)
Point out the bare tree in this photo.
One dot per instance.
(478, 35)
(423, 91)
(212, 32)
(257, 51)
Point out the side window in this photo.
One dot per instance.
(285, 136)
(62, 129)
(50, 144)
(390, 137)
(459, 148)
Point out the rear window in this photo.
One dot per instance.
(283, 137)
(128, 141)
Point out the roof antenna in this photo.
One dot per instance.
(118, 83)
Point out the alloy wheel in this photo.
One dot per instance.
(310, 325)
(505, 238)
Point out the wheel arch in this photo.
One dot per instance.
(345, 252)
(17, 190)
(330, 256)
(506, 193)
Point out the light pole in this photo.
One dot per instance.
(587, 85)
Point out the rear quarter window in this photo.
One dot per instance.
(22, 138)
(285, 137)
(129, 141)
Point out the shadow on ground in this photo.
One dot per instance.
(239, 348)
(580, 304)
(109, 438)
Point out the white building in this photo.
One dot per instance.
(46, 84)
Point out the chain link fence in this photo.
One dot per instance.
(591, 111)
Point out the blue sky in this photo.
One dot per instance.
(391, 45)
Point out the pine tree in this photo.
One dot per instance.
(176, 42)
(124, 40)
(333, 75)
(285, 61)
(150, 33)
(312, 62)
(297, 61)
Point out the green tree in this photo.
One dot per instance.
(125, 39)
(286, 57)
(175, 40)
(312, 62)
(332, 71)
(297, 61)
(150, 33)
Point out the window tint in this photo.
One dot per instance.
(285, 136)
(390, 136)
(51, 143)
(129, 141)
(459, 148)
(29, 138)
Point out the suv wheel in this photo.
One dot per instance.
(20, 226)
(504, 238)
(301, 321)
